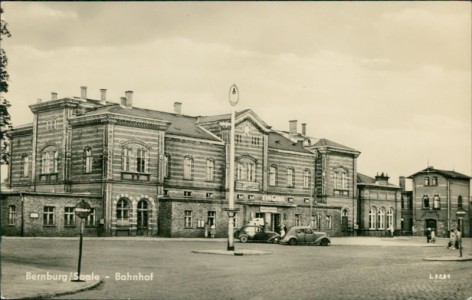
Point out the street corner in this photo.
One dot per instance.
(26, 282)
(245, 252)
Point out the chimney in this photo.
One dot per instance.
(103, 96)
(304, 128)
(293, 127)
(381, 179)
(178, 108)
(39, 100)
(123, 101)
(402, 182)
(129, 99)
(53, 96)
(83, 92)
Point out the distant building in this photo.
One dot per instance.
(379, 205)
(437, 196)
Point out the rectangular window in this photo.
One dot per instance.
(211, 218)
(209, 195)
(290, 199)
(48, 216)
(328, 222)
(188, 162)
(255, 141)
(272, 176)
(240, 196)
(187, 194)
(11, 215)
(290, 178)
(298, 220)
(126, 159)
(188, 219)
(25, 165)
(250, 197)
(141, 158)
(209, 169)
(91, 218)
(69, 216)
(239, 138)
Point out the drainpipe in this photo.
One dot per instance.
(22, 215)
(449, 205)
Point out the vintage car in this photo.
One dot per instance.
(256, 233)
(301, 235)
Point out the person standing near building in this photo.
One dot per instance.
(433, 236)
(212, 231)
(207, 229)
(458, 238)
(428, 235)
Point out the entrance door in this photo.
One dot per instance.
(142, 217)
(431, 223)
(275, 221)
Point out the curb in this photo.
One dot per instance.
(70, 292)
(448, 258)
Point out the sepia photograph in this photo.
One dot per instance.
(236, 150)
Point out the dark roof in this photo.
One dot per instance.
(180, 124)
(366, 180)
(278, 141)
(328, 143)
(445, 173)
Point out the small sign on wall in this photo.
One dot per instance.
(34, 215)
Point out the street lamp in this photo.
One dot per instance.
(233, 100)
(460, 214)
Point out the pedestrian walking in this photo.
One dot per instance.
(433, 236)
(428, 235)
(452, 240)
(458, 238)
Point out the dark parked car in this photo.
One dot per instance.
(256, 233)
(300, 235)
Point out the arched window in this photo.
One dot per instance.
(306, 178)
(272, 175)
(436, 202)
(188, 167)
(122, 210)
(340, 180)
(210, 169)
(290, 177)
(459, 202)
(246, 169)
(434, 180)
(87, 160)
(381, 219)
(426, 180)
(143, 214)
(25, 165)
(390, 218)
(372, 217)
(55, 161)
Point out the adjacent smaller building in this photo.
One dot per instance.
(437, 196)
(379, 205)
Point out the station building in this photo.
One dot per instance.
(149, 172)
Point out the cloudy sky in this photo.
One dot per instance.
(390, 79)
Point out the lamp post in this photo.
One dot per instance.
(460, 215)
(82, 210)
(233, 100)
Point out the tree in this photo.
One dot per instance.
(5, 119)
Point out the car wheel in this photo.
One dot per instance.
(275, 240)
(243, 238)
(292, 242)
(324, 242)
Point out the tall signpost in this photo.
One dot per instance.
(82, 210)
(233, 100)
(460, 214)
